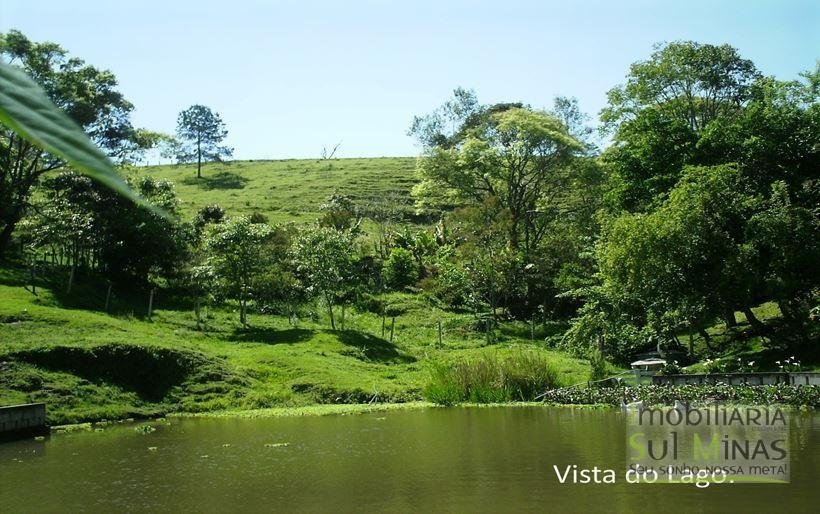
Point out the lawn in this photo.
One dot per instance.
(290, 190)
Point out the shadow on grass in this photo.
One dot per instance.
(369, 347)
(269, 335)
(219, 180)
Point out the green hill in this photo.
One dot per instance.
(291, 190)
(88, 364)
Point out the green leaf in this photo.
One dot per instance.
(26, 109)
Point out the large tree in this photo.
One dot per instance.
(512, 155)
(200, 130)
(86, 94)
(666, 105)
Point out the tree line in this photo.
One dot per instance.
(695, 197)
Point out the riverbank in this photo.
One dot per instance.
(90, 365)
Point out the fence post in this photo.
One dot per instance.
(108, 297)
(151, 304)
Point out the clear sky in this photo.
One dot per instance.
(290, 77)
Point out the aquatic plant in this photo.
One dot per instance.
(488, 379)
(696, 393)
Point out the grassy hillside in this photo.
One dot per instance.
(87, 364)
(290, 190)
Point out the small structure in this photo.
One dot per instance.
(23, 420)
(645, 368)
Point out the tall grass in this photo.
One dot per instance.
(488, 379)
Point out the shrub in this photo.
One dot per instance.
(400, 269)
(212, 213)
(527, 375)
(451, 284)
(671, 368)
(598, 366)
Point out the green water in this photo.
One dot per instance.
(433, 460)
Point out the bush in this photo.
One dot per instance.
(598, 366)
(520, 377)
(451, 284)
(671, 368)
(212, 213)
(400, 269)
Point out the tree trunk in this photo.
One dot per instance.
(71, 278)
(706, 338)
(514, 241)
(197, 312)
(198, 157)
(753, 321)
(729, 318)
(330, 310)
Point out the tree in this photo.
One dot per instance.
(323, 258)
(238, 251)
(86, 94)
(513, 154)
(664, 110)
(715, 246)
(684, 80)
(200, 131)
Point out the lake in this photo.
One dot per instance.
(492, 459)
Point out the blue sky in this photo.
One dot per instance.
(290, 77)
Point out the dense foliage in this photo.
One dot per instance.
(705, 204)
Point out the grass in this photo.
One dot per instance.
(90, 365)
(521, 376)
(291, 190)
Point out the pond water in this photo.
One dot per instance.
(494, 459)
